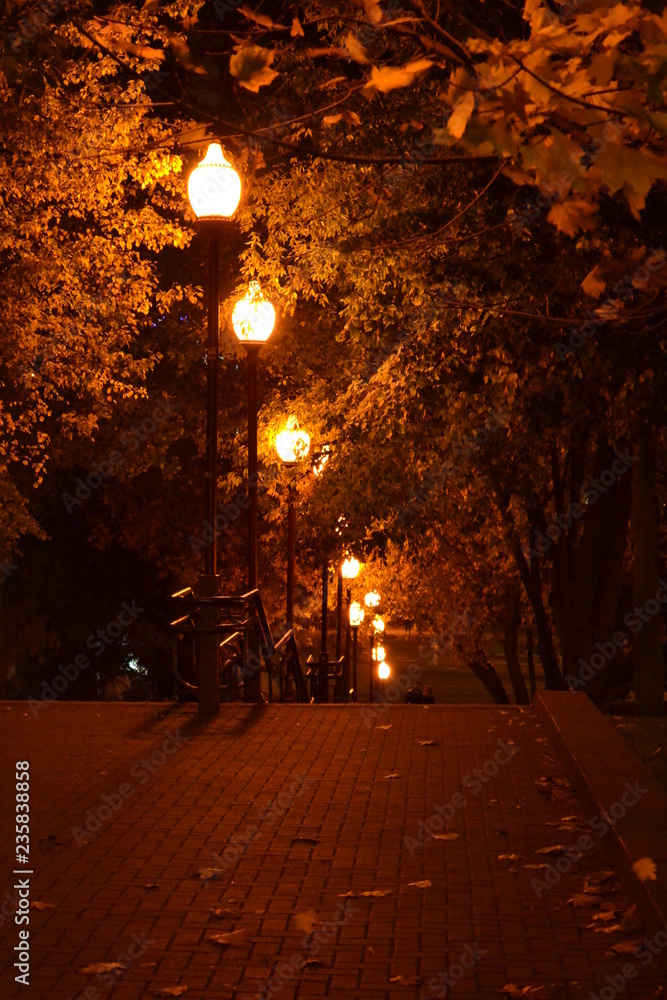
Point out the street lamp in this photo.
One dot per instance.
(253, 319)
(357, 615)
(384, 673)
(214, 190)
(376, 632)
(372, 599)
(292, 446)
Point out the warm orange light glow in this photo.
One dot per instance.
(384, 671)
(321, 461)
(378, 624)
(351, 568)
(379, 653)
(372, 599)
(292, 444)
(357, 614)
(214, 187)
(253, 316)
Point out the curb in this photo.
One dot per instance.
(600, 762)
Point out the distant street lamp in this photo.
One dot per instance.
(348, 572)
(214, 191)
(253, 319)
(376, 632)
(292, 446)
(384, 673)
(357, 615)
(372, 599)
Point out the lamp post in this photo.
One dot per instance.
(349, 572)
(357, 615)
(253, 320)
(384, 672)
(214, 191)
(292, 445)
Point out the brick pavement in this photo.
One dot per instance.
(340, 827)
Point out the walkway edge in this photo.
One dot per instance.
(600, 762)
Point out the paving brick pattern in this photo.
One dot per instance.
(307, 793)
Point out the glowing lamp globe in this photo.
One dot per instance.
(357, 614)
(378, 624)
(384, 671)
(253, 316)
(214, 187)
(350, 568)
(379, 653)
(292, 444)
(372, 599)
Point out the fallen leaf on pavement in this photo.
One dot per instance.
(425, 883)
(535, 867)
(625, 947)
(208, 873)
(446, 836)
(236, 939)
(426, 743)
(224, 913)
(405, 980)
(555, 849)
(584, 899)
(43, 906)
(645, 870)
(306, 920)
(392, 775)
(370, 892)
(104, 967)
(510, 857)
(605, 914)
(383, 727)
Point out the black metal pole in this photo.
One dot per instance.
(339, 615)
(253, 352)
(371, 692)
(291, 519)
(211, 556)
(323, 677)
(208, 691)
(354, 664)
(346, 670)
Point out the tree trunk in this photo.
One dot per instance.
(485, 672)
(512, 623)
(647, 641)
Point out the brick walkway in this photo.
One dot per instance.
(325, 803)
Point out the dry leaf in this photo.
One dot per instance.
(208, 873)
(42, 906)
(645, 870)
(224, 913)
(584, 899)
(251, 67)
(104, 967)
(255, 16)
(306, 921)
(405, 980)
(235, 939)
(332, 119)
(426, 743)
(625, 947)
(605, 915)
(555, 849)
(446, 836)
(423, 884)
(169, 991)
(461, 112)
(371, 892)
(572, 215)
(510, 857)
(297, 30)
(594, 284)
(386, 78)
(383, 727)
(396, 775)
(355, 48)
(535, 867)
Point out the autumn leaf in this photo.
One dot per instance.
(594, 284)
(116, 967)
(251, 67)
(296, 29)
(234, 939)
(386, 78)
(355, 48)
(625, 947)
(445, 836)
(405, 980)
(645, 870)
(224, 913)
(42, 906)
(256, 16)
(425, 883)
(510, 857)
(572, 215)
(554, 849)
(461, 112)
(332, 119)
(583, 899)
(306, 921)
